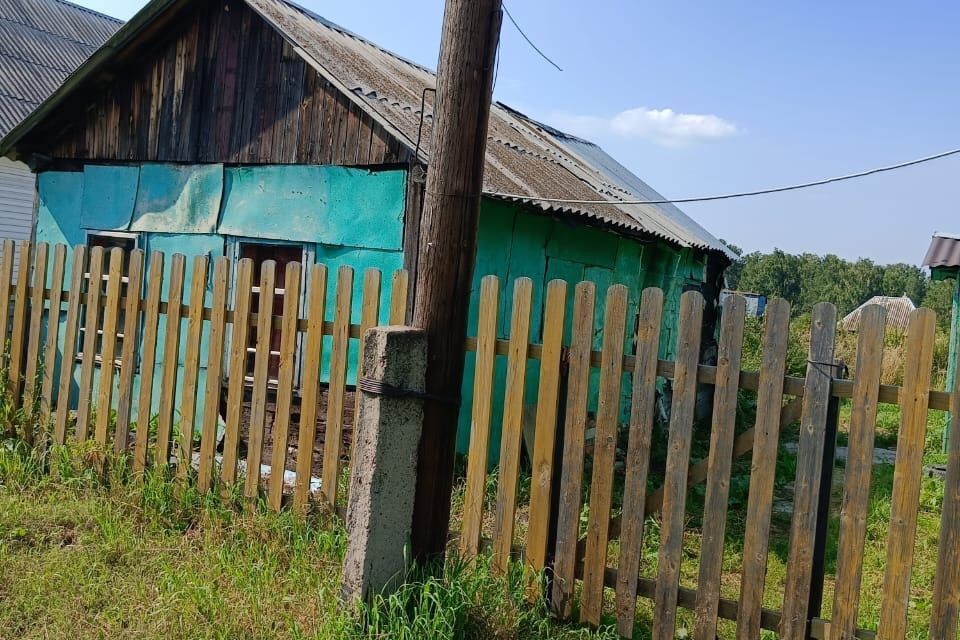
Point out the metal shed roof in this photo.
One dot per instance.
(944, 251)
(524, 157)
(898, 312)
(41, 43)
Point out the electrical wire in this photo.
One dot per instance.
(529, 41)
(730, 196)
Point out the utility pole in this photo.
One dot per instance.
(447, 248)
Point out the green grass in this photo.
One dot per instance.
(82, 557)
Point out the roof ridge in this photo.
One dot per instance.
(347, 32)
(89, 10)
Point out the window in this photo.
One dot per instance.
(283, 254)
(109, 240)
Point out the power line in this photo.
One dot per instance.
(529, 41)
(744, 194)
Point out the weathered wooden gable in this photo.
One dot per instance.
(219, 85)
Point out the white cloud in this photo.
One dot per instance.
(665, 127)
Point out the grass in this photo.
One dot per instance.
(83, 557)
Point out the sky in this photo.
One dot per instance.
(699, 98)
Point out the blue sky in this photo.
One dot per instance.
(701, 97)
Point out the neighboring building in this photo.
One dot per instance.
(943, 258)
(256, 128)
(41, 43)
(898, 313)
(756, 302)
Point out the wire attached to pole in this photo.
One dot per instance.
(529, 41)
(729, 196)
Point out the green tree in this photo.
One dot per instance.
(939, 297)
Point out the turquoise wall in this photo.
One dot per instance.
(355, 217)
(342, 216)
(513, 243)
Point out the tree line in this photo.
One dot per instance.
(806, 279)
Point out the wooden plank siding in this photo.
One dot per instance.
(220, 86)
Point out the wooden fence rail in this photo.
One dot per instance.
(128, 333)
(572, 536)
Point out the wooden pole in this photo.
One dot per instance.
(447, 248)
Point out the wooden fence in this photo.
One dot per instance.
(46, 349)
(570, 526)
(584, 495)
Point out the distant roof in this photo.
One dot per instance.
(41, 43)
(944, 251)
(898, 312)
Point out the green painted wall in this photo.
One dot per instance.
(514, 243)
(355, 217)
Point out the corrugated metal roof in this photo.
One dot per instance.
(898, 312)
(944, 251)
(524, 157)
(41, 43)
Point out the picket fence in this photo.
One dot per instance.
(555, 540)
(126, 332)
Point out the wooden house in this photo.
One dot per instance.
(254, 128)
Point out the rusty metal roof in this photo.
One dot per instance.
(524, 157)
(944, 251)
(41, 43)
(898, 312)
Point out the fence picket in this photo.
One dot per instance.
(946, 583)
(816, 397)
(776, 333)
(88, 357)
(678, 460)
(34, 337)
(148, 360)
(511, 439)
(369, 318)
(261, 375)
(859, 465)
(640, 438)
(905, 500)
(310, 386)
(111, 312)
(18, 332)
(545, 432)
(171, 360)
(128, 352)
(478, 452)
(720, 463)
(53, 333)
(6, 287)
(575, 426)
(288, 365)
(237, 370)
(333, 439)
(398, 297)
(69, 357)
(191, 367)
(211, 403)
(604, 454)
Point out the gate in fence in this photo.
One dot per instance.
(608, 511)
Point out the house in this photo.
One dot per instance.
(756, 302)
(255, 128)
(41, 43)
(898, 309)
